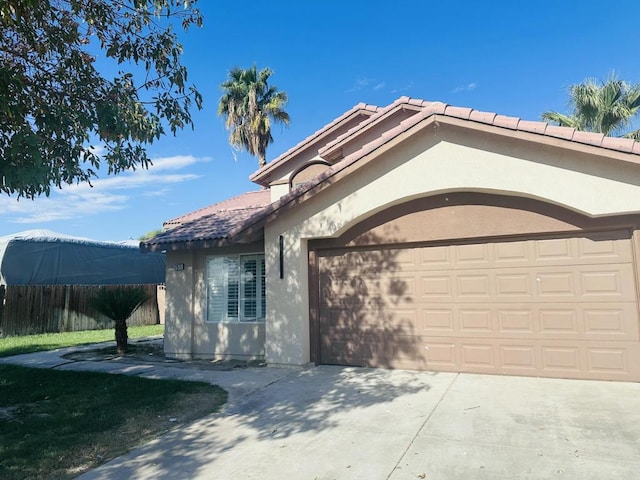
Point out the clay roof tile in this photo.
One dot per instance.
(506, 122)
(589, 138)
(482, 117)
(565, 133)
(458, 112)
(532, 126)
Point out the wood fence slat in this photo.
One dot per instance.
(30, 309)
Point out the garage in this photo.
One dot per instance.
(561, 305)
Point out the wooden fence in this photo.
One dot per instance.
(30, 309)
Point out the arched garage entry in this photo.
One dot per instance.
(481, 283)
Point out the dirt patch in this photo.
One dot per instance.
(151, 351)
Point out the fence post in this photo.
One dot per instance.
(66, 324)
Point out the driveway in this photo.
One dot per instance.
(349, 423)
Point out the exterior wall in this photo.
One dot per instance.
(187, 333)
(448, 159)
(279, 189)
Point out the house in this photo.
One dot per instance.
(421, 236)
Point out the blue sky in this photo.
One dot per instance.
(511, 57)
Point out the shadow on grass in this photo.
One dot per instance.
(57, 424)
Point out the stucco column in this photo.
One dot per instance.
(178, 335)
(287, 322)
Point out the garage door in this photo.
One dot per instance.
(554, 307)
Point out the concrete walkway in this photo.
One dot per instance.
(350, 423)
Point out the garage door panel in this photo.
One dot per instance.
(594, 321)
(607, 322)
(375, 350)
(596, 248)
(510, 253)
(358, 323)
(518, 359)
(435, 257)
(610, 282)
(557, 307)
(479, 254)
(616, 360)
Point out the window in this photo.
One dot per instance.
(236, 288)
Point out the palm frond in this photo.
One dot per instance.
(607, 106)
(250, 105)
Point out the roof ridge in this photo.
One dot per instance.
(403, 100)
(309, 139)
(539, 127)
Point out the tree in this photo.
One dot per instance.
(151, 234)
(250, 105)
(606, 107)
(55, 104)
(118, 304)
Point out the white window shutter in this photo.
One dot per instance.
(216, 289)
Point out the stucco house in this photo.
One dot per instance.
(423, 236)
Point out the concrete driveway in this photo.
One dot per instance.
(349, 423)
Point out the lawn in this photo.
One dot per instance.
(58, 424)
(50, 341)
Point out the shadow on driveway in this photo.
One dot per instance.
(285, 429)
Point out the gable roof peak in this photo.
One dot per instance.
(361, 109)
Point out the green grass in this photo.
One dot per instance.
(58, 424)
(51, 341)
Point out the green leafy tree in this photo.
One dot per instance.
(55, 103)
(119, 304)
(607, 107)
(151, 234)
(250, 105)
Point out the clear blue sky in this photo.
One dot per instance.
(511, 57)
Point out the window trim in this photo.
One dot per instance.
(260, 288)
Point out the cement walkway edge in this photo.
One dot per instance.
(341, 423)
(237, 386)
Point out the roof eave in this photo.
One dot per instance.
(252, 235)
(264, 175)
(429, 118)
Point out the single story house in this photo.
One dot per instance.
(422, 236)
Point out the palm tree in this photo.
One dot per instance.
(601, 106)
(250, 105)
(119, 304)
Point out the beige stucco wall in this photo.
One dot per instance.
(278, 190)
(448, 159)
(187, 333)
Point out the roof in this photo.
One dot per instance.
(430, 113)
(248, 200)
(212, 224)
(361, 109)
(402, 103)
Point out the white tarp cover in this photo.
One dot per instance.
(43, 257)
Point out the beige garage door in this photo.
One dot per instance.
(560, 307)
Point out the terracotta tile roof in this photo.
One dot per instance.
(490, 118)
(329, 148)
(428, 114)
(248, 200)
(210, 224)
(359, 109)
(216, 223)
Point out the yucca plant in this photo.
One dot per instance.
(119, 304)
